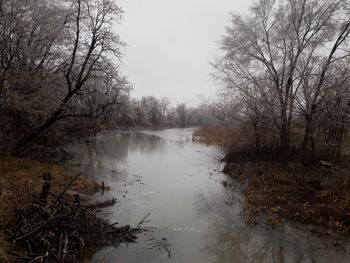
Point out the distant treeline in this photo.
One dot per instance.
(150, 111)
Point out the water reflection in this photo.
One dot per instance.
(104, 152)
(164, 173)
(244, 245)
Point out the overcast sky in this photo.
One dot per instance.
(170, 44)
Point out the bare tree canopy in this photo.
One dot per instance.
(59, 67)
(284, 62)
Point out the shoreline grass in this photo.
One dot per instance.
(287, 191)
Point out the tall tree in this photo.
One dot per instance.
(270, 51)
(89, 54)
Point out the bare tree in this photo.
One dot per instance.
(89, 54)
(164, 106)
(268, 55)
(182, 114)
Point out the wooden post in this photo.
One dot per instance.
(45, 188)
(77, 200)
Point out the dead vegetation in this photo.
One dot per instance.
(221, 135)
(42, 222)
(16, 172)
(61, 232)
(315, 196)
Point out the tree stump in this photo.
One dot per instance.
(46, 186)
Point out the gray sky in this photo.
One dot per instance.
(171, 43)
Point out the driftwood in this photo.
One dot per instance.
(62, 230)
(144, 220)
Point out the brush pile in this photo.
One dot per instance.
(62, 230)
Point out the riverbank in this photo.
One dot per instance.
(315, 197)
(277, 193)
(39, 221)
(221, 135)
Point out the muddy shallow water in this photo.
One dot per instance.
(193, 217)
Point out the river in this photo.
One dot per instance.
(193, 217)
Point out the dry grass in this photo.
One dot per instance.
(4, 246)
(19, 171)
(222, 135)
(20, 184)
(278, 192)
(308, 196)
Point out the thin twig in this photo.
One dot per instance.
(39, 257)
(68, 185)
(144, 219)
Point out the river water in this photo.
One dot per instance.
(193, 217)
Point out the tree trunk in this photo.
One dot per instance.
(306, 138)
(2, 89)
(21, 145)
(309, 129)
(307, 132)
(284, 143)
(284, 135)
(284, 130)
(257, 139)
